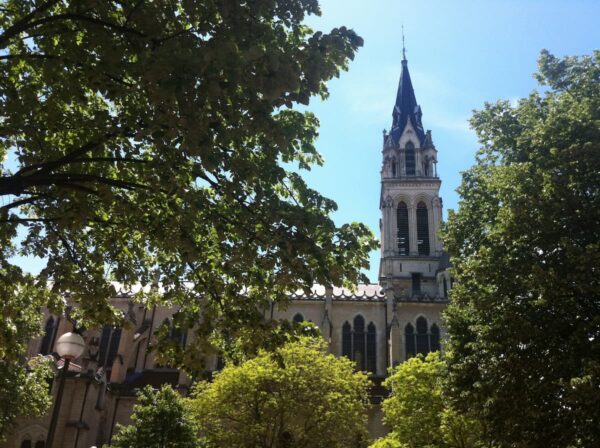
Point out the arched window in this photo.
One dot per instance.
(46, 344)
(359, 345)
(410, 159)
(422, 336)
(40, 444)
(422, 229)
(26, 444)
(109, 346)
(435, 338)
(371, 348)
(358, 341)
(402, 222)
(409, 338)
(298, 318)
(393, 162)
(347, 340)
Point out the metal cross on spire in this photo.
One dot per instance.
(403, 47)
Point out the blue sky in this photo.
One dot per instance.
(460, 55)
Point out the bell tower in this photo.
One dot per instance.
(410, 203)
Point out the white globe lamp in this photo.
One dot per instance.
(70, 346)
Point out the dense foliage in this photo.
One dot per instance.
(419, 414)
(160, 419)
(152, 143)
(297, 396)
(524, 319)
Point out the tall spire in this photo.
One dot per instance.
(406, 107)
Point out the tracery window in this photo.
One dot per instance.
(402, 224)
(423, 341)
(422, 229)
(359, 345)
(410, 159)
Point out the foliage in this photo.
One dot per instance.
(524, 319)
(23, 387)
(156, 143)
(161, 419)
(418, 412)
(23, 391)
(297, 396)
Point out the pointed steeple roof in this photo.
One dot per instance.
(406, 107)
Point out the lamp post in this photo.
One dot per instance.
(69, 346)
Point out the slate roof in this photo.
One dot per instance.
(406, 108)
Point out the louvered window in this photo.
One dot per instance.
(410, 159)
(422, 229)
(402, 221)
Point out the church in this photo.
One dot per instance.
(376, 325)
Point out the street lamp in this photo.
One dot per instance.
(69, 346)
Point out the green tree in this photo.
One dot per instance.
(161, 419)
(157, 143)
(418, 412)
(524, 319)
(296, 396)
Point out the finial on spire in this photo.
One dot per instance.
(403, 47)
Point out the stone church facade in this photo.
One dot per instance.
(376, 325)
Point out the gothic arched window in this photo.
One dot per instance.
(40, 444)
(402, 222)
(109, 346)
(46, 344)
(393, 162)
(371, 348)
(422, 336)
(422, 229)
(359, 345)
(298, 318)
(409, 339)
(410, 159)
(358, 342)
(435, 338)
(26, 444)
(347, 340)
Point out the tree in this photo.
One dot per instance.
(418, 412)
(297, 396)
(524, 318)
(154, 143)
(161, 419)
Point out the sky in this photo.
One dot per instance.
(460, 55)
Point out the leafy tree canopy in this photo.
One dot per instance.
(524, 319)
(160, 419)
(147, 143)
(297, 396)
(418, 412)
